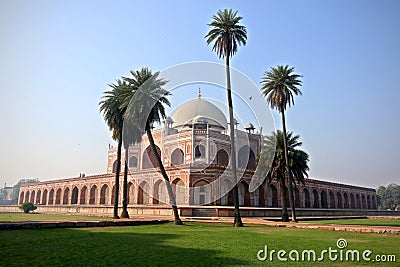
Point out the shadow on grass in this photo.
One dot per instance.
(98, 247)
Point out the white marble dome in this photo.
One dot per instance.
(199, 108)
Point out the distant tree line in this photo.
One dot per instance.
(388, 197)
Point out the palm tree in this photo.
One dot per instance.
(226, 33)
(124, 213)
(298, 161)
(113, 116)
(279, 85)
(147, 108)
(131, 134)
(129, 137)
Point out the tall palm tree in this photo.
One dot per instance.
(113, 116)
(298, 161)
(129, 137)
(147, 108)
(131, 134)
(279, 85)
(226, 33)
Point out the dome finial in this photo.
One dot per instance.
(199, 93)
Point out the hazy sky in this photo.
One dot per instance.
(57, 57)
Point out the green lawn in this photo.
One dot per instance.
(376, 222)
(194, 244)
(14, 217)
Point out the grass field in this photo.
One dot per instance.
(194, 244)
(367, 222)
(15, 217)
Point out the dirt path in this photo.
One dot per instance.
(331, 227)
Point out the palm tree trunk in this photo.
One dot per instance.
(125, 213)
(117, 172)
(285, 216)
(288, 172)
(238, 220)
(177, 220)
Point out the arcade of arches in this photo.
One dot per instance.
(99, 190)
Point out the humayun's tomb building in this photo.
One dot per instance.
(195, 148)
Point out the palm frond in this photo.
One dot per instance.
(298, 159)
(279, 85)
(226, 33)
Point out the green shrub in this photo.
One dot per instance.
(27, 207)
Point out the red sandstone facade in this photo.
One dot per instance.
(195, 152)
